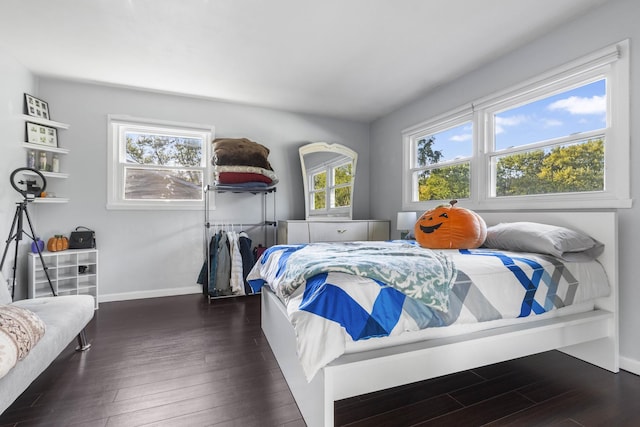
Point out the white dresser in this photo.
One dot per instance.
(300, 231)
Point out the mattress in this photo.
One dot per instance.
(337, 312)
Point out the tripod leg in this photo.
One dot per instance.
(11, 236)
(15, 268)
(33, 237)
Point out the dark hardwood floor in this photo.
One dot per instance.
(180, 361)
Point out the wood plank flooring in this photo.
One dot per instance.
(180, 361)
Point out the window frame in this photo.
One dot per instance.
(116, 164)
(329, 189)
(611, 63)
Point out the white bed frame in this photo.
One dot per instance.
(591, 336)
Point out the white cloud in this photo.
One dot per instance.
(502, 122)
(580, 105)
(552, 123)
(461, 137)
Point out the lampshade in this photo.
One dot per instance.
(406, 221)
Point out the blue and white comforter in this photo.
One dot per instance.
(336, 292)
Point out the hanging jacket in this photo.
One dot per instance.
(223, 267)
(247, 259)
(209, 268)
(236, 280)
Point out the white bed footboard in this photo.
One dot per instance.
(590, 336)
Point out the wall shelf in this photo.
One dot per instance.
(49, 174)
(50, 200)
(39, 147)
(50, 153)
(45, 122)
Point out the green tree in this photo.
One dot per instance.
(562, 169)
(162, 150)
(320, 195)
(426, 154)
(343, 175)
(574, 168)
(517, 174)
(448, 182)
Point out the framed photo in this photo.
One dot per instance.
(36, 107)
(43, 135)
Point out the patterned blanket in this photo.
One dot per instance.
(20, 330)
(422, 274)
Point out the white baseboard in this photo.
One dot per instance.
(195, 289)
(630, 365)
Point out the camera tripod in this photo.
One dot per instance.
(17, 227)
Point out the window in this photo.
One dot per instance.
(551, 145)
(330, 187)
(442, 163)
(155, 164)
(553, 142)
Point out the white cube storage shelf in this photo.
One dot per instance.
(72, 272)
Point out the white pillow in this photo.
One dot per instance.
(561, 242)
(5, 295)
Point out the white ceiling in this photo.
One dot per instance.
(356, 59)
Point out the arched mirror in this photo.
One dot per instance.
(328, 175)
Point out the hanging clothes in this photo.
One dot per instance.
(207, 276)
(230, 261)
(236, 280)
(223, 268)
(247, 259)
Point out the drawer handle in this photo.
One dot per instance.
(342, 231)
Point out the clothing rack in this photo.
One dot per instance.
(223, 225)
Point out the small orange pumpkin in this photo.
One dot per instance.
(450, 227)
(57, 243)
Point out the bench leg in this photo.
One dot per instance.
(83, 343)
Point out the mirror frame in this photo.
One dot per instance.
(325, 147)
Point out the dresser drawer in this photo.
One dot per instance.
(338, 231)
(292, 232)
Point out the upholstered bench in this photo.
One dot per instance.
(41, 328)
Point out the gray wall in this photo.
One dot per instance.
(145, 253)
(15, 81)
(615, 21)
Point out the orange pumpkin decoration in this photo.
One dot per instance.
(57, 243)
(450, 227)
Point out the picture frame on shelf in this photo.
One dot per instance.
(36, 107)
(42, 135)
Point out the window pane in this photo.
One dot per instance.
(319, 181)
(154, 184)
(577, 110)
(319, 200)
(342, 174)
(342, 197)
(560, 169)
(163, 150)
(451, 144)
(450, 182)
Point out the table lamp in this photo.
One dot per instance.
(405, 223)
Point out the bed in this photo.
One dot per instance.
(590, 335)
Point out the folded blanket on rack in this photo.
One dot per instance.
(235, 174)
(240, 152)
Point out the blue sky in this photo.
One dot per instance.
(577, 110)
